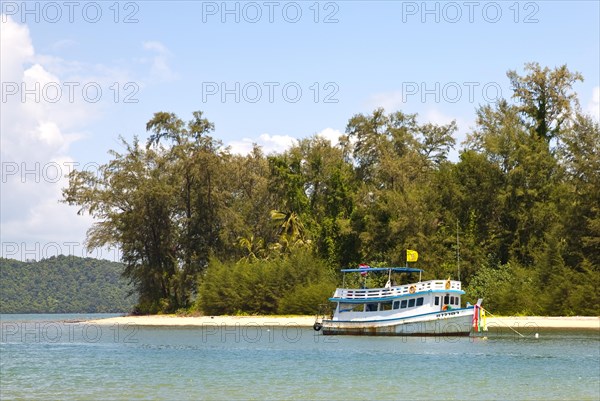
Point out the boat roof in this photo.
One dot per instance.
(381, 269)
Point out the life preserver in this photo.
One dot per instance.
(317, 326)
(445, 307)
(448, 284)
(412, 289)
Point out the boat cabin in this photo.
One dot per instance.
(396, 301)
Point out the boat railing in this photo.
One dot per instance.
(407, 289)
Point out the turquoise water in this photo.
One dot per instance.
(43, 357)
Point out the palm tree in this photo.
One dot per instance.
(253, 247)
(291, 231)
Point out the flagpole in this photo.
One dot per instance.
(457, 252)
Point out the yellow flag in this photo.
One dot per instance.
(411, 256)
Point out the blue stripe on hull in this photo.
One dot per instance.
(398, 318)
(444, 325)
(370, 332)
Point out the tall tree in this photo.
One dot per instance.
(545, 97)
(195, 158)
(132, 199)
(580, 157)
(160, 206)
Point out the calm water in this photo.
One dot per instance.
(43, 357)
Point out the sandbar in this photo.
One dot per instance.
(555, 322)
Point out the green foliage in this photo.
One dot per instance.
(506, 288)
(294, 284)
(524, 197)
(545, 97)
(63, 284)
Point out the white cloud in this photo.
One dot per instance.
(331, 134)
(63, 44)
(277, 143)
(390, 101)
(16, 48)
(593, 107)
(36, 134)
(435, 116)
(160, 68)
(268, 143)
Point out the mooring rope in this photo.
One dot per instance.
(492, 315)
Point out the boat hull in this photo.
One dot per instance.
(443, 323)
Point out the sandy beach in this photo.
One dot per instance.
(571, 322)
(173, 320)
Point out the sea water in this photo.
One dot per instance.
(45, 357)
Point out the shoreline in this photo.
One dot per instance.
(548, 322)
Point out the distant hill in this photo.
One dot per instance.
(63, 284)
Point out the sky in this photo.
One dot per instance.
(78, 75)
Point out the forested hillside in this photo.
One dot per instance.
(63, 284)
(200, 226)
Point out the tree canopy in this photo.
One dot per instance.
(199, 225)
(64, 284)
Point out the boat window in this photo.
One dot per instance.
(451, 300)
(411, 303)
(351, 307)
(403, 304)
(437, 300)
(420, 301)
(385, 306)
(458, 301)
(370, 307)
(396, 304)
(447, 299)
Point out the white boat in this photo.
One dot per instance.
(423, 308)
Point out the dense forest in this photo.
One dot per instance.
(63, 284)
(202, 228)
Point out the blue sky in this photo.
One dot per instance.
(265, 72)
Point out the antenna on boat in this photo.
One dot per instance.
(457, 252)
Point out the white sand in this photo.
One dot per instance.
(575, 322)
(558, 322)
(172, 320)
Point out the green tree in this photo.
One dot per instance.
(132, 199)
(545, 98)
